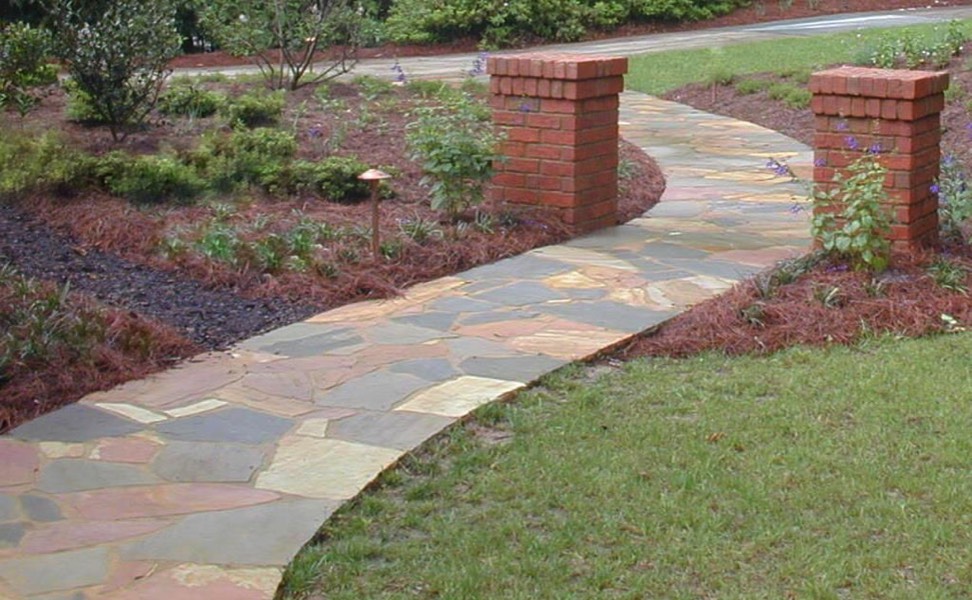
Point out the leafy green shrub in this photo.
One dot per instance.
(190, 101)
(244, 156)
(150, 179)
(334, 178)
(501, 24)
(23, 65)
(254, 109)
(117, 53)
(456, 146)
(851, 219)
(44, 163)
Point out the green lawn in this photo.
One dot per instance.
(660, 72)
(839, 473)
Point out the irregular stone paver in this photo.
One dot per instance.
(269, 534)
(202, 482)
(75, 423)
(53, 572)
(76, 474)
(324, 468)
(199, 461)
(235, 424)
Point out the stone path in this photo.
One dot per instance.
(204, 481)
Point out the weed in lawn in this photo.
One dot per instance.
(751, 86)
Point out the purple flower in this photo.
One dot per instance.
(875, 148)
(479, 64)
(780, 169)
(842, 126)
(316, 131)
(852, 143)
(935, 189)
(526, 106)
(820, 162)
(400, 76)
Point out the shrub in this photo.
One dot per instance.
(150, 179)
(456, 146)
(850, 219)
(334, 178)
(954, 196)
(189, 100)
(117, 54)
(254, 109)
(244, 156)
(791, 95)
(298, 28)
(44, 163)
(23, 65)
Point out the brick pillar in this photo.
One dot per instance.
(897, 114)
(560, 117)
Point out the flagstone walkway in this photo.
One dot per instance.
(204, 481)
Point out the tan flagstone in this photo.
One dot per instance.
(647, 297)
(458, 397)
(195, 408)
(264, 579)
(62, 450)
(322, 468)
(135, 413)
(574, 280)
(765, 257)
(136, 450)
(692, 290)
(313, 428)
(501, 330)
(284, 407)
(568, 344)
(582, 256)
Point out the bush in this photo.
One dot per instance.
(791, 95)
(117, 54)
(334, 178)
(500, 24)
(751, 86)
(254, 109)
(245, 156)
(150, 179)
(456, 146)
(298, 28)
(188, 100)
(23, 65)
(45, 163)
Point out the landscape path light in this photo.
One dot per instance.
(374, 178)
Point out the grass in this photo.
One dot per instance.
(661, 72)
(807, 474)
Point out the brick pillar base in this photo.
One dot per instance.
(895, 113)
(560, 117)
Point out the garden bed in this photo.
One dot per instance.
(212, 266)
(822, 301)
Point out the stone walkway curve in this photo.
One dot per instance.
(204, 481)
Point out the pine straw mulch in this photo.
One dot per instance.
(827, 304)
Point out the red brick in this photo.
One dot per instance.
(510, 117)
(522, 165)
(543, 151)
(522, 195)
(605, 148)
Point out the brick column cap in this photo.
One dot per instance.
(569, 67)
(867, 82)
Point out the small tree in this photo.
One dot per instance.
(117, 53)
(284, 36)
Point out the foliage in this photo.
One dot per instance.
(850, 219)
(190, 100)
(954, 196)
(503, 24)
(334, 178)
(150, 179)
(751, 86)
(949, 275)
(41, 163)
(254, 109)
(283, 36)
(456, 146)
(789, 94)
(24, 52)
(117, 53)
(907, 48)
(243, 156)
